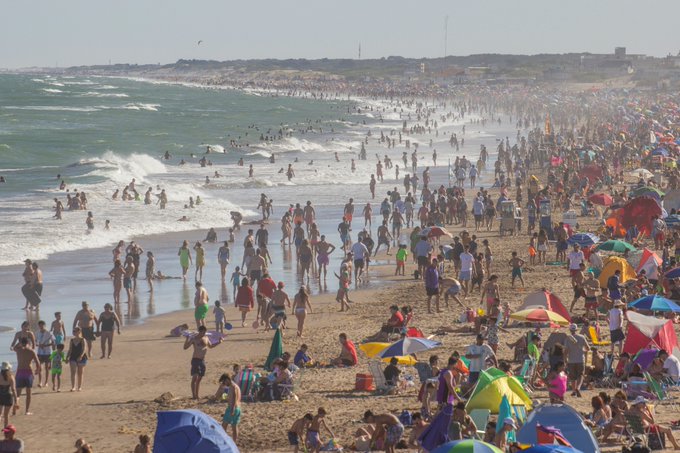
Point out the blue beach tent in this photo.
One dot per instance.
(564, 418)
(190, 431)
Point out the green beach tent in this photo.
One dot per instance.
(492, 386)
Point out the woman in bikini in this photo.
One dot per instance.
(77, 358)
(117, 274)
(300, 304)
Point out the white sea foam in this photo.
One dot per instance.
(104, 95)
(52, 90)
(51, 108)
(141, 106)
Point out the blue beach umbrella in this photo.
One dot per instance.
(672, 220)
(190, 431)
(551, 449)
(584, 239)
(673, 273)
(408, 345)
(660, 152)
(655, 303)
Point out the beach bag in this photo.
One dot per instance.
(655, 439)
(405, 418)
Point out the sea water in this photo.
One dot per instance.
(100, 133)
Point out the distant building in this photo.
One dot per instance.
(619, 53)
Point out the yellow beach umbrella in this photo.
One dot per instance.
(539, 315)
(372, 349)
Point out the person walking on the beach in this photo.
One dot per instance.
(45, 342)
(200, 260)
(184, 258)
(432, 286)
(223, 255)
(232, 415)
(8, 392)
(129, 271)
(244, 300)
(516, 263)
(201, 301)
(108, 319)
(77, 357)
(86, 319)
(300, 304)
(24, 376)
(201, 344)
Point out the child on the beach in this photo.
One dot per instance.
(532, 249)
(232, 414)
(297, 431)
(401, 256)
(343, 290)
(313, 440)
(57, 328)
(516, 263)
(232, 238)
(218, 311)
(144, 445)
(236, 279)
(57, 358)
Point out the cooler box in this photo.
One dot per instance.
(364, 383)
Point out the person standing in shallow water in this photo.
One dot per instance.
(184, 258)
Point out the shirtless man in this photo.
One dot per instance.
(25, 332)
(392, 426)
(28, 276)
(58, 209)
(323, 251)
(384, 238)
(348, 212)
(368, 216)
(232, 415)
(86, 320)
(24, 375)
(127, 278)
(201, 345)
(313, 440)
(578, 279)
(309, 214)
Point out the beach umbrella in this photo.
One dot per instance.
(660, 152)
(673, 273)
(545, 299)
(583, 239)
(551, 449)
(539, 315)
(615, 245)
(408, 345)
(467, 446)
(276, 349)
(647, 191)
(641, 172)
(645, 357)
(672, 220)
(373, 349)
(435, 232)
(655, 303)
(601, 199)
(190, 431)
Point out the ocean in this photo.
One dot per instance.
(100, 133)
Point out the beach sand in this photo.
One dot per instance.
(120, 396)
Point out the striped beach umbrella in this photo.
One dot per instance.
(655, 303)
(408, 345)
(539, 315)
(584, 239)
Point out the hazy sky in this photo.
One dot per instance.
(73, 32)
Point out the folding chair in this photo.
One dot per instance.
(659, 391)
(525, 375)
(288, 390)
(381, 385)
(608, 372)
(248, 385)
(595, 340)
(481, 418)
(635, 428)
(520, 412)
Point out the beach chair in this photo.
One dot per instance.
(288, 390)
(248, 385)
(525, 375)
(381, 386)
(635, 428)
(658, 391)
(594, 338)
(481, 418)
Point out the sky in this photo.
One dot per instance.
(87, 32)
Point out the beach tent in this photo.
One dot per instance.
(650, 263)
(672, 200)
(611, 265)
(547, 300)
(561, 416)
(275, 351)
(639, 212)
(644, 332)
(491, 386)
(190, 431)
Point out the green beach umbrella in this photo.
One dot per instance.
(467, 446)
(647, 190)
(615, 245)
(276, 350)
